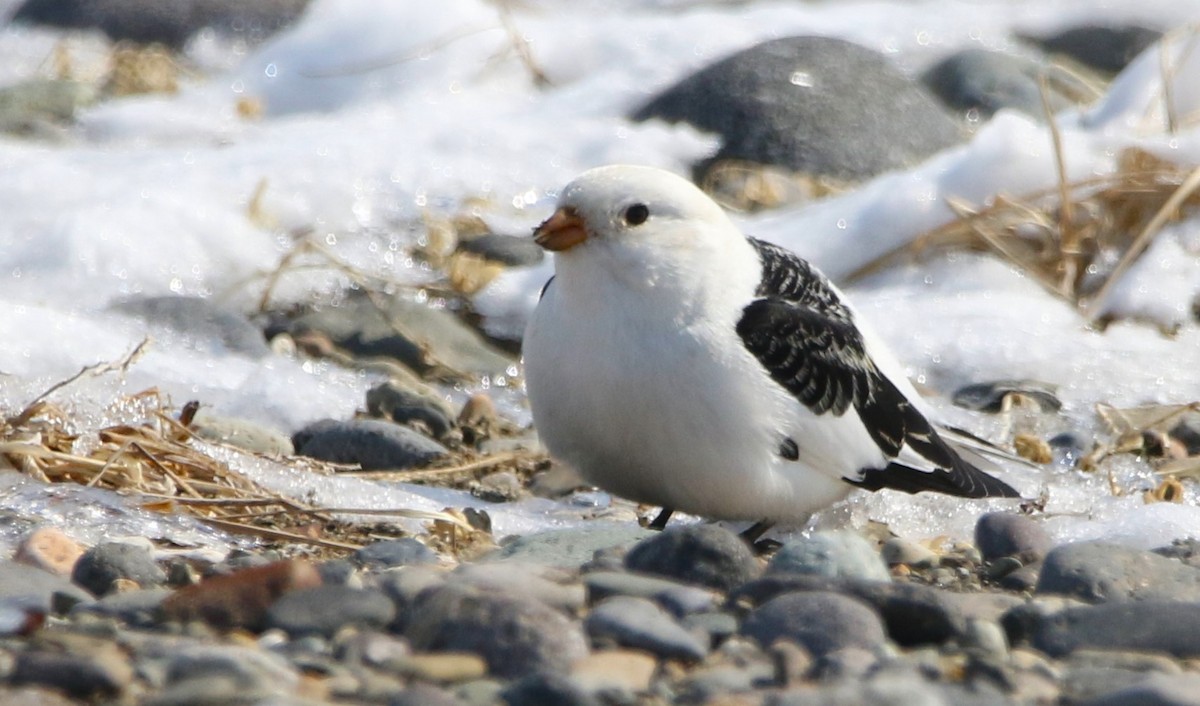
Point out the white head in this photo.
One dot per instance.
(640, 223)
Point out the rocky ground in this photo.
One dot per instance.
(611, 614)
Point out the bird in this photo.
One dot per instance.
(676, 362)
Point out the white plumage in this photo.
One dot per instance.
(674, 361)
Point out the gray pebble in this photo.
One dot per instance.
(339, 572)
(135, 608)
(1098, 571)
(500, 487)
(705, 555)
(819, 621)
(513, 634)
(390, 553)
(678, 598)
(898, 550)
(718, 626)
(323, 610)
(205, 324)
(108, 561)
(1105, 47)
(403, 586)
(409, 407)
(546, 689)
(83, 677)
(241, 433)
(41, 588)
(987, 81)
(1158, 690)
(1092, 673)
(640, 624)
(371, 443)
(528, 580)
(836, 554)
(1007, 534)
(1162, 626)
(419, 694)
(506, 249)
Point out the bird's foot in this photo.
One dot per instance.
(660, 521)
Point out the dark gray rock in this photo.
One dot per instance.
(819, 621)
(371, 443)
(1088, 674)
(431, 342)
(989, 396)
(1068, 447)
(404, 586)
(1162, 626)
(390, 553)
(506, 249)
(80, 676)
(678, 598)
(323, 610)
(545, 689)
(108, 561)
(640, 624)
(39, 588)
(339, 572)
(1023, 579)
(719, 627)
(135, 608)
(817, 105)
(411, 408)
(1098, 571)
(224, 674)
(1107, 48)
(1158, 690)
(837, 554)
(569, 547)
(514, 635)
(705, 555)
(204, 324)
(986, 81)
(169, 23)
(1007, 534)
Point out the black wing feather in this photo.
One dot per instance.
(807, 340)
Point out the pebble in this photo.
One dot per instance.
(678, 598)
(323, 610)
(107, 562)
(640, 624)
(623, 672)
(1162, 626)
(373, 444)
(139, 608)
(700, 554)
(1092, 673)
(545, 689)
(819, 621)
(241, 433)
(390, 553)
(1099, 571)
(419, 694)
(506, 249)
(514, 634)
(986, 81)
(569, 547)
(85, 677)
(1157, 690)
(441, 667)
(203, 324)
(1103, 47)
(1006, 534)
(898, 550)
(836, 554)
(49, 549)
(42, 589)
(410, 407)
(819, 105)
(540, 583)
(500, 487)
(239, 599)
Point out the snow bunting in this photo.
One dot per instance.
(674, 361)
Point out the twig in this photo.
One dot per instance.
(1069, 245)
(123, 364)
(375, 65)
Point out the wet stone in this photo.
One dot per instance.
(819, 621)
(371, 443)
(416, 408)
(704, 555)
(324, 610)
(637, 623)
(107, 562)
(1006, 534)
(390, 553)
(1098, 571)
(837, 554)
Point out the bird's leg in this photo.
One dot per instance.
(758, 529)
(660, 520)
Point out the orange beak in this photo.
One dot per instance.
(561, 231)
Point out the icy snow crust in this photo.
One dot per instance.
(376, 114)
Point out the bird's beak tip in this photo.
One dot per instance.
(561, 231)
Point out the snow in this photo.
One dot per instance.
(376, 114)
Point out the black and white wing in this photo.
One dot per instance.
(806, 338)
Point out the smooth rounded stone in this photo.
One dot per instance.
(106, 562)
(390, 553)
(480, 692)
(624, 672)
(989, 396)
(140, 608)
(499, 487)
(419, 694)
(241, 433)
(718, 626)
(239, 599)
(516, 635)
(1099, 571)
(1162, 626)
(819, 621)
(897, 551)
(836, 554)
(1068, 447)
(49, 592)
(678, 598)
(203, 324)
(817, 105)
(540, 583)
(339, 572)
(1091, 673)
(403, 586)
(323, 610)
(569, 548)
(708, 684)
(705, 555)
(1008, 534)
(545, 689)
(373, 444)
(430, 342)
(1023, 579)
(171, 24)
(47, 548)
(640, 624)
(986, 636)
(987, 81)
(892, 689)
(80, 676)
(410, 407)
(247, 666)
(1106, 48)
(33, 696)
(440, 667)
(506, 249)
(1156, 690)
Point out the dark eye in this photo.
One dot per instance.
(636, 214)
